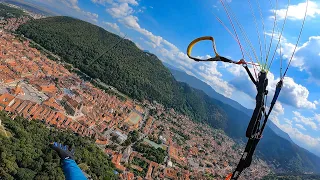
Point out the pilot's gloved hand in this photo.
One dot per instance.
(63, 151)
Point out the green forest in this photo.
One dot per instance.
(154, 154)
(25, 152)
(141, 75)
(9, 12)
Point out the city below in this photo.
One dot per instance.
(143, 139)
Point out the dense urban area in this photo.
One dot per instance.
(144, 140)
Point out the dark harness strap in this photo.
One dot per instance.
(250, 148)
(246, 157)
(249, 73)
(252, 143)
(217, 58)
(273, 102)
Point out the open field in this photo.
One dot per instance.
(3, 131)
(134, 118)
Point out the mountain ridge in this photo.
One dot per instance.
(198, 84)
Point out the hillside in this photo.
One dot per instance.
(198, 84)
(279, 132)
(27, 155)
(141, 75)
(9, 12)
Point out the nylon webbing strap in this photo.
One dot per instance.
(250, 75)
(273, 102)
(252, 143)
(246, 157)
(217, 56)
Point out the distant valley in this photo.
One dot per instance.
(198, 84)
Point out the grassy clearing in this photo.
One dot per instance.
(3, 132)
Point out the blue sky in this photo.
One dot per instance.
(166, 27)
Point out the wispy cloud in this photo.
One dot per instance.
(297, 12)
(301, 127)
(74, 5)
(303, 139)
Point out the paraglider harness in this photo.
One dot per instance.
(254, 130)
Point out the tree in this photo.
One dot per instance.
(27, 155)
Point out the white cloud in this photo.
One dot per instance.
(292, 93)
(155, 39)
(92, 16)
(114, 26)
(151, 44)
(295, 94)
(235, 70)
(317, 117)
(286, 48)
(301, 127)
(133, 2)
(305, 58)
(241, 80)
(99, 1)
(172, 46)
(139, 46)
(74, 5)
(130, 22)
(297, 12)
(103, 2)
(120, 10)
(187, 71)
(288, 121)
(308, 55)
(278, 109)
(302, 139)
(217, 83)
(211, 69)
(304, 120)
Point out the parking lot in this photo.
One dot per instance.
(30, 92)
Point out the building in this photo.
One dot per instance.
(6, 100)
(120, 136)
(170, 173)
(116, 161)
(72, 106)
(52, 103)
